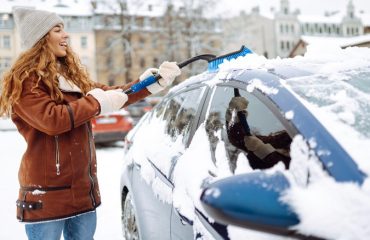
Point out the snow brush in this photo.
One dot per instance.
(213, 64)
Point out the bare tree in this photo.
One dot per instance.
(116, 17)
(190, 31)
(181, 30)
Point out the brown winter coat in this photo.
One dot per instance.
(58, 172)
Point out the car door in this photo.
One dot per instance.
(222, 125)
(166, 132)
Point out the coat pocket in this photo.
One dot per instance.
(32, 199)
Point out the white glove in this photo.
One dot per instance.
(168, 71)
(110, 100)
(259, 148)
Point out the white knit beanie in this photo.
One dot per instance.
(34, 24)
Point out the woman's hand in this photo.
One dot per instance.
(110, 100)
(167, 70)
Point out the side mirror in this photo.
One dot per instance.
(250, 201)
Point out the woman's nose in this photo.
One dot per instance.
(65, 35)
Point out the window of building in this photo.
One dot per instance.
(4, 64)
(155, 62)
(83, 42)
(154, 42)
(85, 60)
(146, 22)
(4, 20)
(6, 42)
(141, 42)
(142, 62)
(282, 45)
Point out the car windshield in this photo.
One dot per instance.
(341, 101)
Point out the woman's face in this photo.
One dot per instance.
(57, 40)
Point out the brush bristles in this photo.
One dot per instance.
(214, 64)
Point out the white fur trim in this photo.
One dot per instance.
(67, 86)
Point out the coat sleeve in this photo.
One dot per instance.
(132, 98)
(41, 112)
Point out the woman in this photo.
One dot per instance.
(51, 99)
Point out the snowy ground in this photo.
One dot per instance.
(109, 167)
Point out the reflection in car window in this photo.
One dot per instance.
(166, 129)
(248, 127)
(179, 113)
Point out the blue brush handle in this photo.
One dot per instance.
(152, 79)
(142, 84)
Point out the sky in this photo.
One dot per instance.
(231, 7)
(309, 7)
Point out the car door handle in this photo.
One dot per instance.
(184, 220)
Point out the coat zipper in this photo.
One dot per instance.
(57, 157)
(90, 162)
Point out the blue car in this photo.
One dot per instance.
(254, 149)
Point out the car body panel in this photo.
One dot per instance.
(276, 97)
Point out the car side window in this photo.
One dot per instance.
(246, 126)
(166, 129)
(179, 113)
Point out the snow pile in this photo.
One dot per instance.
(6, 124)
(325, 208)
(332, 210)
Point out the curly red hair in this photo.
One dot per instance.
(40, 62)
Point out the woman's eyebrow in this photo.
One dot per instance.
(58, 26)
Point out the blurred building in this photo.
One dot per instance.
(117, 41)
(342, 42)
(78, 23)
(253, 30)
(132, 38)
(277, 32)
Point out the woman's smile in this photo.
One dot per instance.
(57, 40)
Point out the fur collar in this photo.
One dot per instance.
(67, 86)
